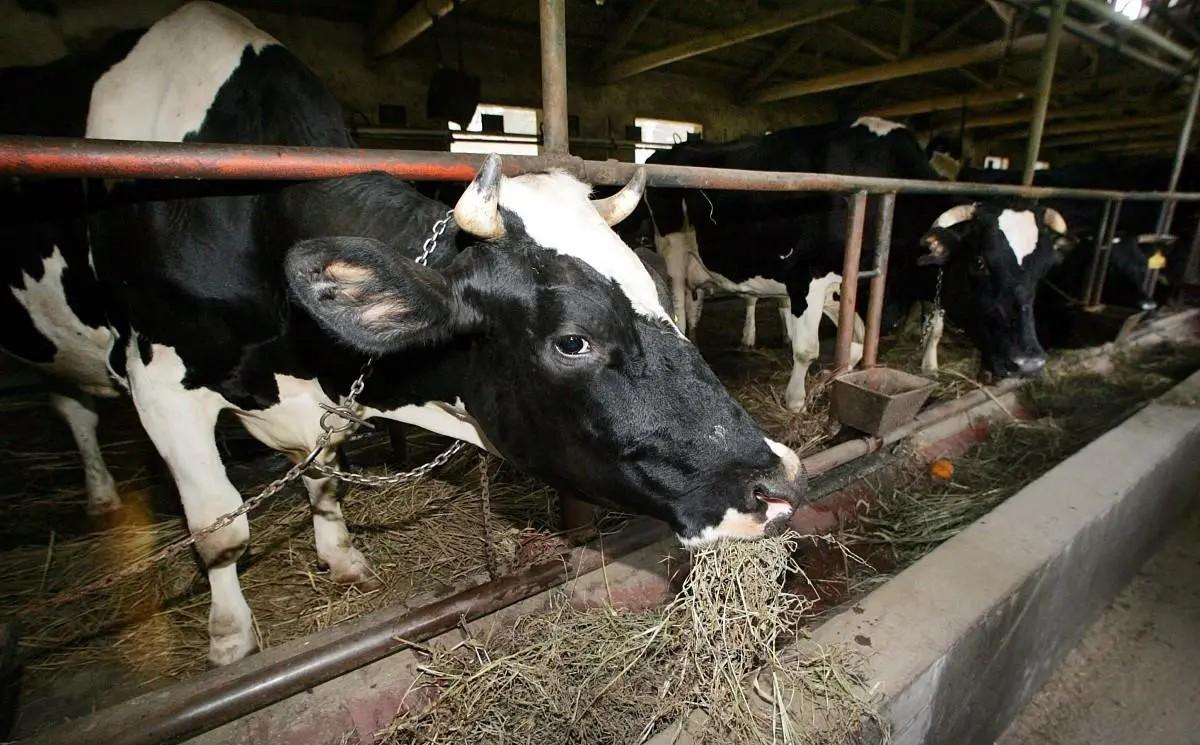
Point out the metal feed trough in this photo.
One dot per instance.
(878, 400)
(211, 699)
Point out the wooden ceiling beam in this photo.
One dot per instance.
(922, 65)
(785, 51)
(626, 29)
(984, 97)
(769, 23)
(409, 26)
(861, 41)
(1104, 126)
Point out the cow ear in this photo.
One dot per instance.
(368, 295)
(939, 244)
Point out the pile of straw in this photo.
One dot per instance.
(607, 676)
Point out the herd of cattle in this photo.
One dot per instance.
(526, 325)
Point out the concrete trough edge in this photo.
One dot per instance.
(959, 642)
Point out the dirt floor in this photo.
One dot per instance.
(1135, 675)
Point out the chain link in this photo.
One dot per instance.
(351, 417)
(430, 244)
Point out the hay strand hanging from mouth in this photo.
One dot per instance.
(608, 676)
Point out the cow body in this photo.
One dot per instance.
(530, 329)
(792, 244)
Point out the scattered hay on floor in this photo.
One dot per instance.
(424, 539)
(608, 676)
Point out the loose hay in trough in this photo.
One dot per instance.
(606, 676)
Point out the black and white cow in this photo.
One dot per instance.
(533, 331)
(791, 245)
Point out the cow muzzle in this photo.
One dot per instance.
(1027, 367)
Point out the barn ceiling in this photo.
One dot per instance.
(608, 39)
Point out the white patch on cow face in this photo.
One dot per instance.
(163, 89)
(734, 525)
(450, 420)
(558, 216)
(81, 354)
(1020, 230)
(879, 127)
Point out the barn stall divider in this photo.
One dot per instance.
(220, 696)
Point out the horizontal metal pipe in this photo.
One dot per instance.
(52, 156)
(218, 696)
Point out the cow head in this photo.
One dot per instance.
(564, 357)
(994, 256)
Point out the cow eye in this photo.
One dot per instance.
(979, 266)
(572, 345)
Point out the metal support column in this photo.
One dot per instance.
(1089, 284)
(883, 247)
(1185, 136)
(554, 76)
(1106, 251)
(855, 222)
(1191, 270)
(1045, 82)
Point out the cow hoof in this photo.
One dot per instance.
(103, 504)
(796, 406)
(355, 570)
(226, 650)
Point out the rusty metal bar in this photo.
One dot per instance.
(883, 248)
(1098, 247)
(67, 157)
(855, 221)
(215, 697)
(1102, 271)
(1185, 137)
(1041, 101)
(554, 75)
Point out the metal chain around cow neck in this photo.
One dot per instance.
(349, 414)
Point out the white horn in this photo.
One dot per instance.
(621, 205)
(1055, 221)
(478, 209)
(955, 215)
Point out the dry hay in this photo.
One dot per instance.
(1074, 406)
(424, 539)
(606, 676)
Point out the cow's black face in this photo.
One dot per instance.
(994, 257)
(573, 370)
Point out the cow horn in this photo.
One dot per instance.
(955, 215)
(478, 209)
(1055, 221)
(621, 205)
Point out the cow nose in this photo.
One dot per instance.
(1027, 366)
(779, 494)
(1148, 305)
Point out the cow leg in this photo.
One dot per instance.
(181, 424)
(78, 410)
(929, 356)
(785, 319)
(832, 311)
(334, 547)
(806, 343)
(749, 330)
(694, 311)
(676, 253)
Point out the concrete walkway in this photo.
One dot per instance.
(1135, 676)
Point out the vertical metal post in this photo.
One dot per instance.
(854, 237)
(1191, 270)
(883, 247)
(1045, 82)
(554, 76)
(1089, 283)
(1185, 136)
(1102, 272)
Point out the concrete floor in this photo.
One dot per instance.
(1135, 676)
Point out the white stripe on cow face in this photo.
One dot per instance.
(163, 89)
(1020, 230)
(558, 216)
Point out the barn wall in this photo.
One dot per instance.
(507, 63)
